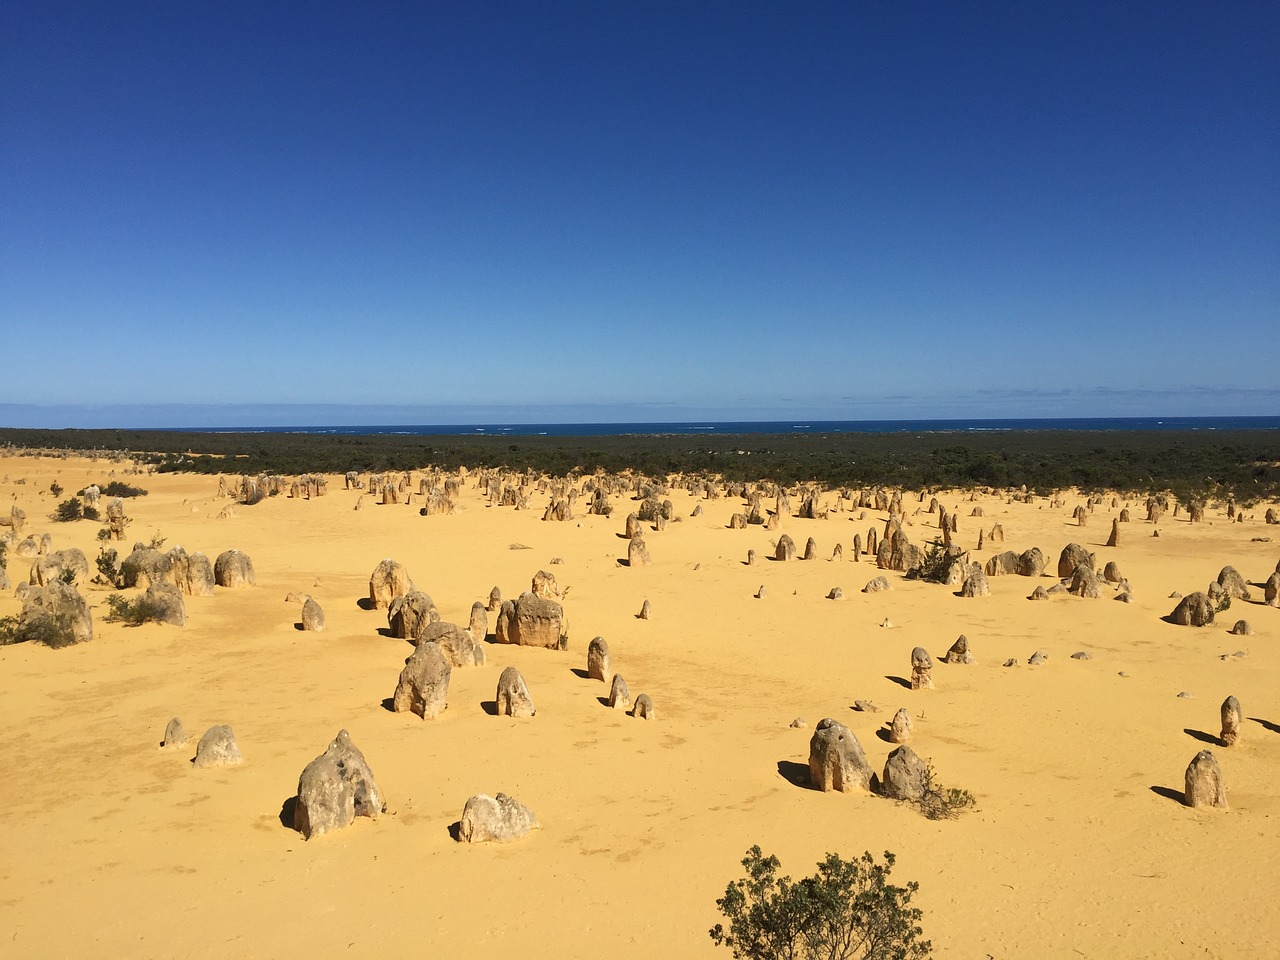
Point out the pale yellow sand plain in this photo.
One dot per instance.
(112, 847)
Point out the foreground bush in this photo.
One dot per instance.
(846, 911)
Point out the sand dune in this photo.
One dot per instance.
(1079, 845)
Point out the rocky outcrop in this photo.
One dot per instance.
(423, 687)
(334, 789)
(513, 697)
(409, 614)
(532, 622)
(1193, 610)
(218, 748)
(234, 569)
(836, 759)
(904, 775)
(498, 819)
(1204, 783)
(312, 615)
(388, 581)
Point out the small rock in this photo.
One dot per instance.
(1081, 655)
(798, 724)
(499, 818)
(865, 706)
(1038, 658)
(835, 594)
(1184, 695)
(1011, 662)
(642, 709)
(175, 735)
(218, 748)
(886, 623)
(760, 594)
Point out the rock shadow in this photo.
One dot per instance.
(299, 626)
(389, 704)
(287, 810)
(900, 681)
(883, 734)
(603, 701)
(1202, 737)
(1267, 724)
(1177, 796)
(796, 774)
(623, 562)
(580, 673)
(455, 831)
(364, 603)
(490, 707)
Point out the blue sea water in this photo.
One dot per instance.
(777, 426)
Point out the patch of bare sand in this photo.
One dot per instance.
(1077, 846)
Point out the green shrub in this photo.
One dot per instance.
(51, 629)
(846, 911)
(90, 513)
(55, 488)
(943, 803)
(133, 613)
(108, 574)
(117, 489)
(69, 510)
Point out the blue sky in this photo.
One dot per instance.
(455, 211)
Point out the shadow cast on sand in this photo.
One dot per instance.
(490, 707)
(389, 704)
(286, 812)
(883, 734)
(1202, 737)
(603, 701)
(796, 774)
(580, 673)
(364, 603)
(455, 831)
(1267, 724)
(1177, 796)
(900, 681)
(623, 562)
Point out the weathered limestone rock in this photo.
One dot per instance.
(638, 553)
(478, 625)
(63, 566)
(55, 615)
(877, 584)
(904, 775)
(423, 687)
(1204, 784)
(1001, 564)
(500, 819)
(334, 789)
(900, 727)
(145, 566)
(598, 660)
(646, 611)
(619, 693)
(921, 669)
(165, 603)
(544, 585)
(959, 652)
(1193, 610)
(218, 748)
(532, 622)
(234, 569)
(1233, 584)
(810, 549)
(1038, 658)
(836, 759)
(835, 594)
(1073, 555)
(1231, 717)
(976, 585)
(643, 709)
(388, 581)
(495, 600)
(1271, 592)
(312, 615)
(409, 614)
(1114, 539)
(175, 735)
(460, 648)
(513, 695)
(785, 549)
(1241, 628)
(1111, 572)
(1085, 583)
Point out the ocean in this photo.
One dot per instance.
(731, 427)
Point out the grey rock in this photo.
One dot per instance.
(218, 748)
(423, 687)
(836, 759)
(334, 789)
(513, 695)
(499, 819)
(904, 775)
(234, 569)
(1204, 783)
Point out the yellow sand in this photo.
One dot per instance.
(113, 847)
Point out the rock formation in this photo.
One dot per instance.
(513, 695)
(836, 759)
(904, 775)
(233, 569)
(598, 660)
(921, 669)
(334, 789)
(218, 748)
(1204, 784)
(500, 819)
(423, 687)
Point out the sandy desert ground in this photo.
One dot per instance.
(1079, 846)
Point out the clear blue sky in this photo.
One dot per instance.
(664, 211)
